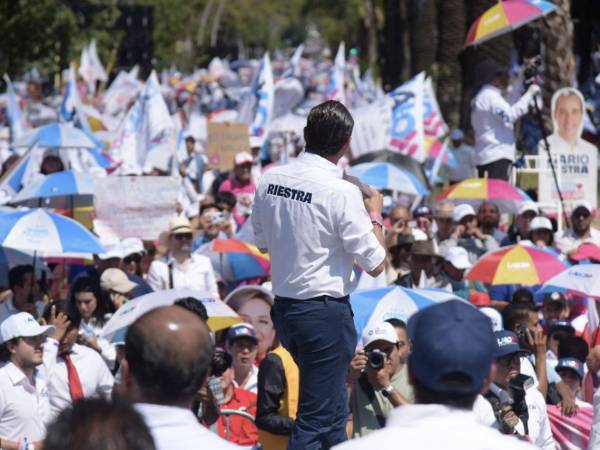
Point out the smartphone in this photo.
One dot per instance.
(214, 384)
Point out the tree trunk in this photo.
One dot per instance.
(451, 26)
(372, 41)
(557, 51)
(394, 49)
(423, 35)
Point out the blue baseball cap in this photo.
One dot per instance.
(507, 343)
(241, 330)
(450, 338)
(561, 325)
(571, 364)
(422, 211)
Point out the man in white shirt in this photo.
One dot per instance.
(22, 284)
(314, 225)
(580, 231)
(522, 408)
(449, 365)
(180, 268)
(493, 119)
(24, 398)
(167, 356)
(74, 371)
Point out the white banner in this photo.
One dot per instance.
(371, 127)
(134, 206)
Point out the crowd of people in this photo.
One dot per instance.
(481, 370)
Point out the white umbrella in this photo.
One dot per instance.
(220, 316)
(583, 279)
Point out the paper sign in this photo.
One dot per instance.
(134, 206)
(224, 141)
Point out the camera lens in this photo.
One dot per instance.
(376, 359)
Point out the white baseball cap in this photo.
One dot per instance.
(116, 280)
(243, 158)
(582, 204)
(540, 223)
(132, 245)
(458, 257)
(528, 206)
(22, 325)
(461, 211)
(383, 331)
(494, 316)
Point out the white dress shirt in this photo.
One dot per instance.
(420, 427)
(566, 241)
(493, 120)
(195, 273)
(24, 408)
(109, 351)
(176, 428)
(314, 225)
(96, 380)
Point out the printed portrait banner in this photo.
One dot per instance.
(224, 141)
(134, 206)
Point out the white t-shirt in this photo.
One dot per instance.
(196, 273)
(315, 226)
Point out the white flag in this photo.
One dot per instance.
(263, 114)
(335, 87)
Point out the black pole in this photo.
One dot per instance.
(538, 113)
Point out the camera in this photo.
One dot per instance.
(532, 69)
(376, 359)
(216, 218)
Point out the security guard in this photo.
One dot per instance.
(315, 224)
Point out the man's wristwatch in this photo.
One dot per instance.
(387, 391)
(376, 218)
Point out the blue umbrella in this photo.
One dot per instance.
(56, 135)
(58, 188)
(373, 306)
(382, 175)
(38, 230)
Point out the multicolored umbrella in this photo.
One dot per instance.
(581, 279)
(516, 264)
(220, 316)
(376, 305)
(477, 190)
(240, 260)
(383, 175)
(56, 135)
(506, 16)
(57, 190)
(44, 232)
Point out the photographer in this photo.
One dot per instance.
(493, 119)
(213, 225)
(519, 407)
(381, 376)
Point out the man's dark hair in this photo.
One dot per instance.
(426, 396)
(205, 206)
(4, 353)
(51, 164)
(103, 304)
(396, 323)
(573, 347)
(163, 375)
(225, 197)
(16, 275)
(61, 307)
(515, 314)
(522, 296)
(328, 127)
(193, 305)
(95, 424)
(190, 138)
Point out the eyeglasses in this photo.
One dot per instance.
(135, 257)
(508, 360)
(183, 236)
(581, 215)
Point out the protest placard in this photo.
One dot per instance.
(224, 141)
(134, 206)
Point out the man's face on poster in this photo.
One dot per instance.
(569, 115)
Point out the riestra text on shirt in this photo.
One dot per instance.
(286, 192)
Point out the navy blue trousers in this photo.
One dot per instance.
(319, 333)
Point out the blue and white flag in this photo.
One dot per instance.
(335, 86)
(15, 116)
(263, 113)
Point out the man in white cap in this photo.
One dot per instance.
(580, 231)
(519, 230)
(181, 269)
(241, 184)
(24, 397)
(467, 234)
(382, 382)
(454, 266)
(133, 251)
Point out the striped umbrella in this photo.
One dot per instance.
(516, 264)
(477, 190)
(38, 230)
(382, 175)
(240, 260)
(506, 16)
(373, 306)
(56, 135)
(57, 189)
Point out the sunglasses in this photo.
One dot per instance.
(183, 236)
(136, 258)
